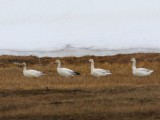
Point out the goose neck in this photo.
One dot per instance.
(92, 66)
(134, 64)
(24, 68)
(59, 65)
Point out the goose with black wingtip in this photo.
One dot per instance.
(65, 72)
(31, 73)
(97, 72)
(140, 72)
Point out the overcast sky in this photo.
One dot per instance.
(35, 24)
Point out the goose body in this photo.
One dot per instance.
(98, 72)
(140, 72)
(31, 73)
(65, 72)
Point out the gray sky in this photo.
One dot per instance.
(50, 23)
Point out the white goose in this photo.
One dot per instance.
(140, 72)
(65, 72)
(98, 72)
(31, 73)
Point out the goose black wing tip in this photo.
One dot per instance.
(77, 73)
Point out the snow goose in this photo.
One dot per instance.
(65, 72)
(31, 73)
(98, 72)
(140, 72)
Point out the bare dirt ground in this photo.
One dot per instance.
(119, 96)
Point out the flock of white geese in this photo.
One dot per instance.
(96, 72)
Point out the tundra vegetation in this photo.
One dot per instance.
(52, 97)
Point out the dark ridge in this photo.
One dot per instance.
(5, 93)
(89, 116)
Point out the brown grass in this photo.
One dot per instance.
(118, 96)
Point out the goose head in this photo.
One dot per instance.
(24, 64)
(91, 60)
(57, 61)
(133, 60)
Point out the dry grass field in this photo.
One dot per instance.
(119, 96)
